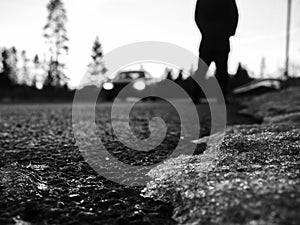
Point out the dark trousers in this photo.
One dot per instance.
(216, 49)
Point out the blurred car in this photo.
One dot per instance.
(258, 86)
(136, 82)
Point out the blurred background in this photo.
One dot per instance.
(47, 46)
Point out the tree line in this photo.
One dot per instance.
(17, 69)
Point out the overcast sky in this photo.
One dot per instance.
(261, 31)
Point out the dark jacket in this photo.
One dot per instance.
(216, 18)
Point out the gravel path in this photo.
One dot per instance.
(251, 178)
(45, 180)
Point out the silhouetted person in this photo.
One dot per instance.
(217, 21)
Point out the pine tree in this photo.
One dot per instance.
(55, 33)
(8, 73)
(5, 81)
(37, 68)
(24, 70)
(169, 74)
(96, 69)
(13, 61)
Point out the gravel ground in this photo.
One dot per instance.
(252, 178)
(275, 107)
(45, 180)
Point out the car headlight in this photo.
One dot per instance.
(108, 86)
(139, 85)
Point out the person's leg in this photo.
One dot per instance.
(222, 72)
(205, 59)
(221, 61)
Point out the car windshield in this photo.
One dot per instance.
(130, 76)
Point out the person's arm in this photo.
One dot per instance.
(199, 16)
(234, 17)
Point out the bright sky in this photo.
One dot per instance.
(261, 31)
